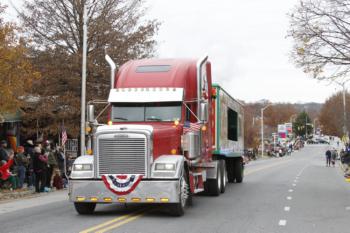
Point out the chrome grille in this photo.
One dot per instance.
(119, 155)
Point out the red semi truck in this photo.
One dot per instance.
(171, 134)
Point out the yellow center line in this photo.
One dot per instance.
(121, 223)
(110, 222)
(135, 215)
(265, 167)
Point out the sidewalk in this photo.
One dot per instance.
(7, 195)
(32, 200)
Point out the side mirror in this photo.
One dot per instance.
(203, 116)
(91, 113)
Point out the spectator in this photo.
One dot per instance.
(52, 164)
(60, 160)
(57, 180)
(29, 151)
(40, 167)
(5, 174)
(328, 158)
(3, 152)
(22, 163)
(334, 156)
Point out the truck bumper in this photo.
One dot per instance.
(147, 191)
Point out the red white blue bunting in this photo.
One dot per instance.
(121, 184)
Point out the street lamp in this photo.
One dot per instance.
(315, 125)
(262, 128)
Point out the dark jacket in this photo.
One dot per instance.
(3, 154)
(21, 160)
(39, 163)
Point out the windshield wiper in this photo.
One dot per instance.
(120, 118)
(153, 118)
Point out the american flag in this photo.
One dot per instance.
(191, 127)
(64, 136)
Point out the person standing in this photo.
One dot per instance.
(22, 163)
(3, 152)
(328, 158)
(29, 151)
(40, 169)
(52, 164)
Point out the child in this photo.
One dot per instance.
(57, 180)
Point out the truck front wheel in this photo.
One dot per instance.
(84, 208)
(178, 209)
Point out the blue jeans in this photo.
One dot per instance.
(21, 176)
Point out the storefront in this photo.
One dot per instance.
(10, 128)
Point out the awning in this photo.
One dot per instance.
(10, 117)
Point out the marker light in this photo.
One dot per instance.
(150, 199)
(110, 123)
(173, 151)
(176, 122)
(204, 128)
(164, 199)
(94, 199)
(89, 151)
(88, 129)
(80, 198)
(107, 199)
(121, 199)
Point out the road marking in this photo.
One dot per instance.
(295, 181)
(264, 167)
(282, 222)
(290, 190)
(287, 208)
(126, 216)
(347, 208)
(289, 198)
(294, 185)
(120, 223)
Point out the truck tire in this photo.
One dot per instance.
(214, 185)
(84, 208)
(223, 176)
(230, 170)
(185, 197)
(238, 170)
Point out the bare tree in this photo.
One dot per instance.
(55, 28)
(321, 33)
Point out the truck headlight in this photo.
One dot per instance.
(165, 167)
(82, 171)
(82, 167)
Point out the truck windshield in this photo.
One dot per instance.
(168, 111)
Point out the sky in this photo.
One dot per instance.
(246, 43)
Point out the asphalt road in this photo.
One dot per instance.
(297, 193)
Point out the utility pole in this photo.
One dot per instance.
(262, 129)
(83, 86)
(342, 84)
(305, 126)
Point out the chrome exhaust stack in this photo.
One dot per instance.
(200, 63)
(113, 67)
